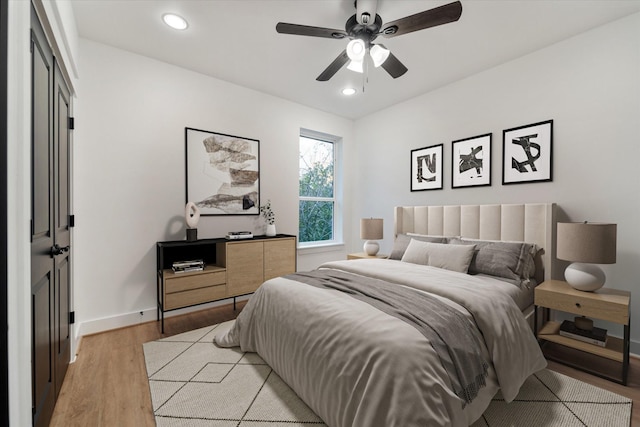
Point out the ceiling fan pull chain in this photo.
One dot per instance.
(365, 75)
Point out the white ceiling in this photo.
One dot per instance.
(236, 41)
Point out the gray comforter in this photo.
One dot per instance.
(357, 366)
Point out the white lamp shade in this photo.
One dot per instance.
(356, 50)
(356, 66)
(378, 55)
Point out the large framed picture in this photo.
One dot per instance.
(222, 173)
(426, 168)
(527, 153)
(471, 162)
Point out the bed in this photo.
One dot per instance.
(402, 342)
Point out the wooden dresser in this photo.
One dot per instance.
(232, 268)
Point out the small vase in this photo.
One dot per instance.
(271, 230)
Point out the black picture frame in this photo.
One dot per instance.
(527, 153)
(471, 161)
(222, 173)
(426, 168)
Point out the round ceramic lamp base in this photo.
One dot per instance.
(584, 277)
(371, 248)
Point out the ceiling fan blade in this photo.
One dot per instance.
(333, 68)
(429, 18)
(306, 30)
(393, 66)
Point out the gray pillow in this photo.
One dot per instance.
(511, 260)
(402, 241)
(450, 257)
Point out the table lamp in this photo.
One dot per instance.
(586, 244)
(371, 229)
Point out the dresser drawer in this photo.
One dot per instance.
(179, 283)
(194, 296)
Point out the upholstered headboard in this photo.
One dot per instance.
(531, 223)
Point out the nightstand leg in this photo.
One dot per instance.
(625, 356)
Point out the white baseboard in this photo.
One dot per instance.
(95, 326)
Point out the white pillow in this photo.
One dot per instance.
(450, 257)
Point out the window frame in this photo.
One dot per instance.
(337, 190)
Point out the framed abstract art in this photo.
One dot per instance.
(222, 173)
(471, 162)
(527, 153)
(426, 168)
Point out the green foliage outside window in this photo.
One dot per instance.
(316, 184)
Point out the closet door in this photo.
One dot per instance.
(50, 226)
(42, 232)
(62, 231)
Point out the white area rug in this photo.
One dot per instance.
(195, 383)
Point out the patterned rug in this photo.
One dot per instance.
(194, 383)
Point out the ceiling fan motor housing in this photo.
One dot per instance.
(366, 33)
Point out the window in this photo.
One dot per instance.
(319, 205)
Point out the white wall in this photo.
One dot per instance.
(589, 85)
(130, 171)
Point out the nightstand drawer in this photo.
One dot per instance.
(609, 304)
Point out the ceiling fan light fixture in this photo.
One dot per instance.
(356, 50)
(348, 91)
(175, 21)
(357, 66)
(379, 54)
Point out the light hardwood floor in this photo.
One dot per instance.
(107, 385)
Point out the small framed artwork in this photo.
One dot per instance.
(222, 173)
(527, 153)
(471, 162)
(426, 168)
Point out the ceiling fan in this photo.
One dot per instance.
(364, 27)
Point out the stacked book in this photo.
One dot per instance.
(597, 336)
(191, 265)
(237, 235)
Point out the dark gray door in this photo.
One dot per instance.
(42, 232)
(50, 228)
(62, 230)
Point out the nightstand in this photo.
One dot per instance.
(363, 255)
(605, 304)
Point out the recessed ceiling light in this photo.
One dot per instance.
(175, 21)
(348, 91)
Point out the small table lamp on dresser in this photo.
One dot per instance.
(371, 229)
(586, 244)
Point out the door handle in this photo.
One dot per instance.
(57, 250)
